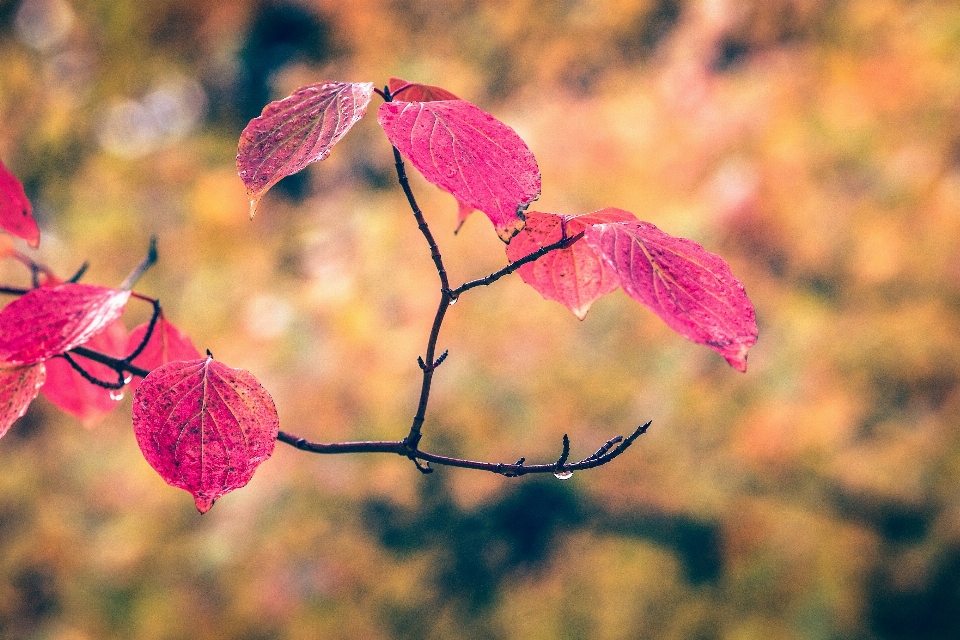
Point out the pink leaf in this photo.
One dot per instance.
(575, 276)
(296, 131)
(468, 153)
(71, 393)
(204, 427)
(692, 289)
(48, 321)
(416, 92)
(16, 214)
(18, 387)
(463, 212)
(167, 344)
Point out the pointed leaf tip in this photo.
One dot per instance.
(204, 427)
(468, 153)
(296, 131)
(16, 213)
(691, 289)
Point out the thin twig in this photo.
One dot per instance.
(148, 261)
(413, 438)
(563, 243)
(116, 364)
(157, 313)
(92, 379)
(79, 274)
(400, 447)
(14, 291)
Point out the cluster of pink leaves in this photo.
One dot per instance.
(485, 165)
(203, 426)
(206, 427)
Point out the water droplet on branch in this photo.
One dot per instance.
(116, 394)
(563, 475)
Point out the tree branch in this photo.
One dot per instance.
(563, 243)
(413, 438)
(605, 454)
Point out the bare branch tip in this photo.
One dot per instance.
(565, 454)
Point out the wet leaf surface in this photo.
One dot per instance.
(204, 427)
(296, 131)
(51, 320)
(468, 153)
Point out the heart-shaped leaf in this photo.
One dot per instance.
(416, 92)
(16, 214)
(19, 385)
(693, 290)
(300, 129)
(204, 427)
(71, 393)
(48, 321)
(167, 344)
(468, 153)
(575, 276)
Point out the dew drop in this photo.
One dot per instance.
(253, 207)
(563, 475)
(128, 379)
(453, 301)
(117, 394)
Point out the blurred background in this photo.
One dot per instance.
(814, 144)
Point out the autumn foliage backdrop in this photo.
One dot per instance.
(813, 144)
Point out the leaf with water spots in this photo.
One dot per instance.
(468, 153)
(19, 385)
(575, 276)
(48, 321)
(16, 213)
(204, 427)
(691, 289)
(300, 129)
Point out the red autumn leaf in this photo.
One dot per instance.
(71, 393)
(416, 92)
(16, 214)
(19, 385)
(167, 344)
(691, 289)
(48, 321)
(204, 427)
(300, 129)
(575, 276)
(468, 153)
(463, 212)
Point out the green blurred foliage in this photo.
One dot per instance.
(814, 144)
